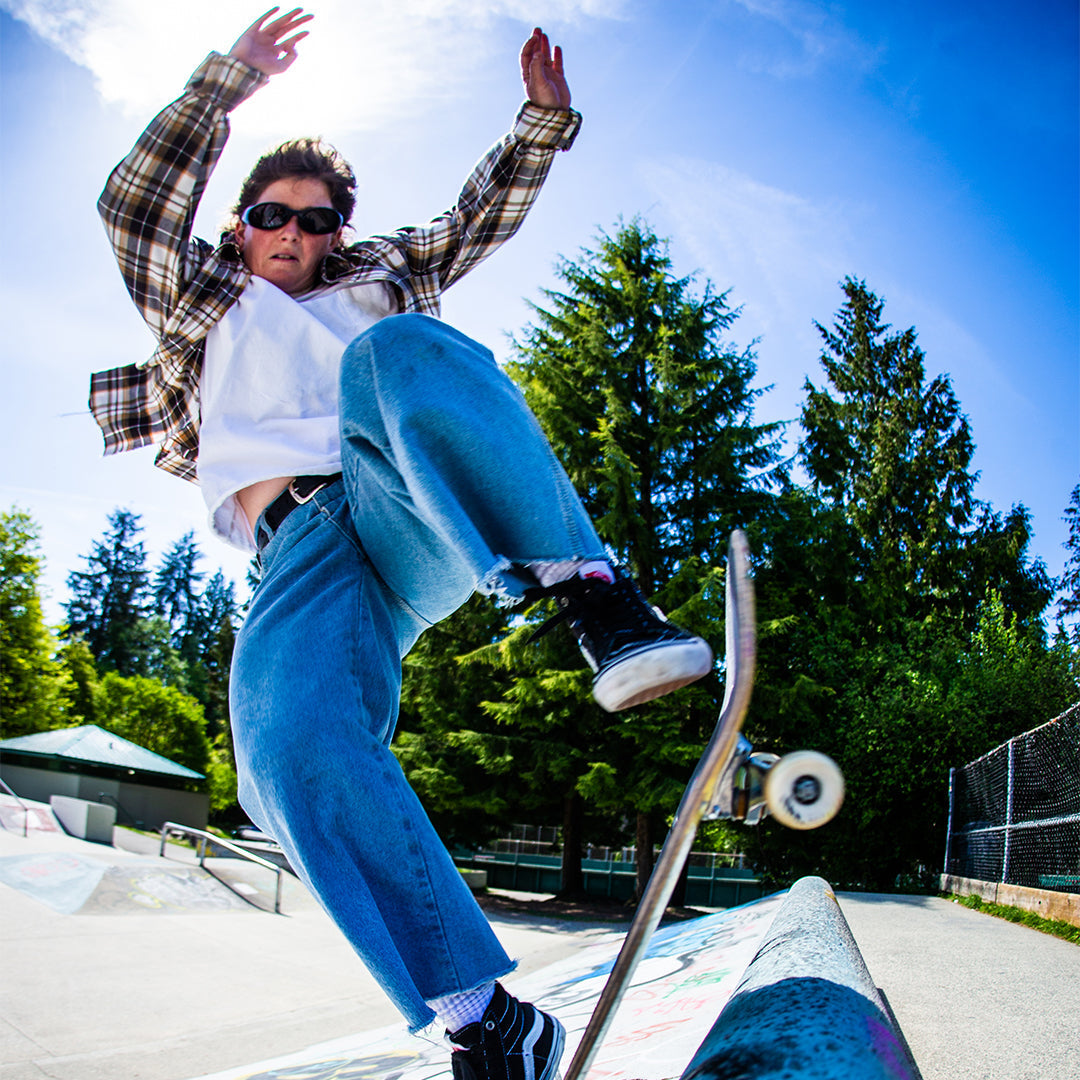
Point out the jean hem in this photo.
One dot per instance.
(507, 580)
(419, 1029)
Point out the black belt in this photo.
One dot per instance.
(296, 494)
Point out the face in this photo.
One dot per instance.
(288, 257)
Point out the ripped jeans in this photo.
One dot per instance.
(448, 487)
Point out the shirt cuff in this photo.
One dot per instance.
(547, 129)
(225, 80)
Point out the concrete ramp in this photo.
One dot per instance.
(690, 971)
(19, 816)
(73, 883)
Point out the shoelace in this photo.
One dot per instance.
(571, 589)
(621, 590)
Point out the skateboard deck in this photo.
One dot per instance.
(697, 802)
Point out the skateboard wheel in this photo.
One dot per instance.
(804, 790)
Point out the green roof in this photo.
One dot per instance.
(96, 746)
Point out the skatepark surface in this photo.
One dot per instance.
(118, 965)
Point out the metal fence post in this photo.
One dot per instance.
(948, 826)
(1007, 858)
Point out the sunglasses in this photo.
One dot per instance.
(318, 220)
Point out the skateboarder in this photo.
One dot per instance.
(383, 468)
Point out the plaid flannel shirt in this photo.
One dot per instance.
(182, 285)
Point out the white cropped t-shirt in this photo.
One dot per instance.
(269, 391)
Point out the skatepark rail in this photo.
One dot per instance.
(5, 790)
(807, 1006)
(206, 839)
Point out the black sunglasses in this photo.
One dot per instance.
(318, 220)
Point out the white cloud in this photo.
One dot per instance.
(783, 252)
(364, 65)
(813, 37)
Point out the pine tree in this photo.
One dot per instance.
(176, 595)
(109, 599)
(650, 411)
(1069, 582)
(900, 621)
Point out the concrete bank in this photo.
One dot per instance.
(149, 995)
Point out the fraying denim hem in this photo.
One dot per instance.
(507, 581)
(424, 1030)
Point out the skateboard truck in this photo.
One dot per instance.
(801, 790)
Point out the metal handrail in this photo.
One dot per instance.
(200, 850)
(25, 809)
(103, 795)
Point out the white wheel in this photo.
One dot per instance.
(804, 790)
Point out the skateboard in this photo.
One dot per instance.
(801, 790)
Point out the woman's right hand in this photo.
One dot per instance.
(268, 48)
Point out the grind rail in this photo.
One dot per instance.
(205, 839)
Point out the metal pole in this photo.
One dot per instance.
(1006, 867)
(948, 826)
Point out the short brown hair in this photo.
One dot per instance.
(309, 158)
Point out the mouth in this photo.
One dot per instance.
(285, 258)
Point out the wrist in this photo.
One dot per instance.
(225, 79)
(547, 127)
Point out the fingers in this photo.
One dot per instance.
(286, 24)
(288, 49)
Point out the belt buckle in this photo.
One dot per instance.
(301, 499)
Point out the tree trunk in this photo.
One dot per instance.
(644, 842)
(573, 878)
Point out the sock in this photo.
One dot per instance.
(548, 573)
(456, 1011)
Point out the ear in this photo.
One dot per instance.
(238, 235)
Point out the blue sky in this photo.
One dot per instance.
(928, 148)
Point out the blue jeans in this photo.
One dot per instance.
(448, 487)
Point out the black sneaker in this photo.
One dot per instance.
(512, 1041)
(636, 653)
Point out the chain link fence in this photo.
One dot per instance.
(1014, 814)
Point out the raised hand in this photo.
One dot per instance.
(542, 73)
(266, 46)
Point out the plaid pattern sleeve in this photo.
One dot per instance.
(492, 205)
(179, 283)
(150, 199)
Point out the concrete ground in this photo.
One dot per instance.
(977, 998)
(126, 990)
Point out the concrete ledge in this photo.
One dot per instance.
(806, 1008)
(475, 879)
(1048, 903)
(84, 819)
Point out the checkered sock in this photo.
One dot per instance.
(456, 1011)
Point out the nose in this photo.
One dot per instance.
(291, 229)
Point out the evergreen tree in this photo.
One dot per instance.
(1069, 582)
(650, 411)
(109, 599)
(457, 761)
(33, 686)
(890, 451)
(176, 595)
(900, 621)
(216, 624)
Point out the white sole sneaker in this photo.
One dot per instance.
(652, 673)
